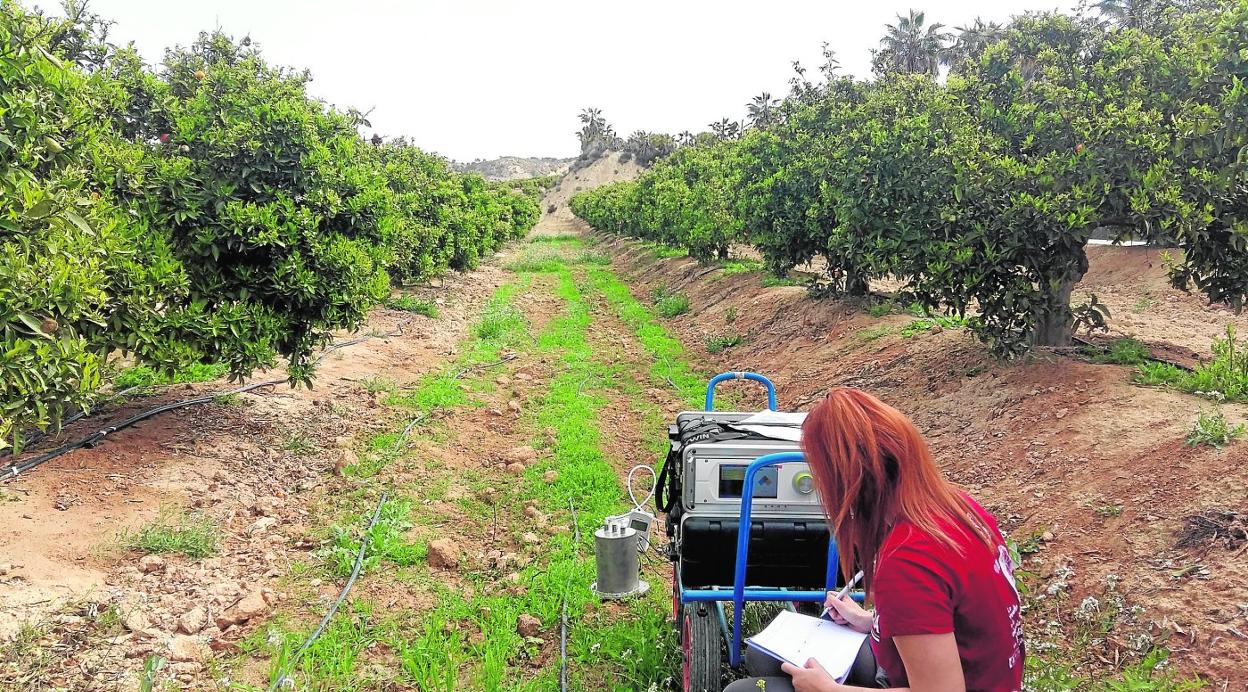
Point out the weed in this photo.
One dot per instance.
(500, 321)
(772, 280)
(717, 344)
(730, 315)
(413, 304)
(670, 303)
(385, 541)
(882, 309)
(927, 324)
(228, 400)
(1126, 351)
(740, 266)
(375, 384)
(330, 662)
(665, 251)
(1143, 304)
(556, 238)
(1092, 316)
(143, 376)
(1212, 429)
(192, 535)
(152, 665)
(591, 257)
(537, 263)
(299, 444)
(1108, 511)
(1223, 378)
(874, 333)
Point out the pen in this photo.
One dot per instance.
(844, 591)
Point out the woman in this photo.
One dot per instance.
(946, 615)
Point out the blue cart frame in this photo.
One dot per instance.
(740, 594)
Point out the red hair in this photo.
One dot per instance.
(873, 469)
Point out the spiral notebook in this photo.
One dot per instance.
(796, 638)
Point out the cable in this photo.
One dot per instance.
(333, 608)
(654, 486)
(10, 472)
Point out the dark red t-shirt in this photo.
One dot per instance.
(923, 586)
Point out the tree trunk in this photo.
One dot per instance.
(722, 253)
(856, 284)
(1053, 321)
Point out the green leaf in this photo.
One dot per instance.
(34, 324)
(80, 222)
(41, 209)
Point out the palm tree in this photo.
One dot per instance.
(595, 133)
(1131, 14)
(909, 46)
(726, 129)
(761, 110)
(685, 138)
(972, 41)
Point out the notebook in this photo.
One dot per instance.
(796, 638)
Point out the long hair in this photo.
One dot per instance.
(873, 469)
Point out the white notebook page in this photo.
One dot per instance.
(795, 638)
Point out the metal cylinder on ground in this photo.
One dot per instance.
(619, 563)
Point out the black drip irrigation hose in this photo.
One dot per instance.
(563, 615)
(10, 472)
(333, 608)
(37, 437)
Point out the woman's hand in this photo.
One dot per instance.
(812, 678)
(844, 611)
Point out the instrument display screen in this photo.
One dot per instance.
(732, 482)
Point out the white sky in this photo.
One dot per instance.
(484, 78)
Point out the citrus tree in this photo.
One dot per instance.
(73, 285)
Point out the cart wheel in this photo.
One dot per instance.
(700, 642)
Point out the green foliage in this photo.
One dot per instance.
(1225, 378)
(501, 320)
(1125, 351)
(717, 344)
(1212, 429)
(981, 193)
(413, 304)
(143, 376)
(924, 325)
(744, 266)
(192, 535)
(670, 303)
(386, 541)
(204, 211)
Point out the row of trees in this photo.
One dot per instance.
(980, 193)
(204, 210)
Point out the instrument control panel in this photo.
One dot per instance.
(717, 473)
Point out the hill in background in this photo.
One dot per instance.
(514, 167)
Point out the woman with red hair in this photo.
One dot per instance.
(946, 613)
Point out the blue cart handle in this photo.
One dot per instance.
(710, 387)
(743, 546)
